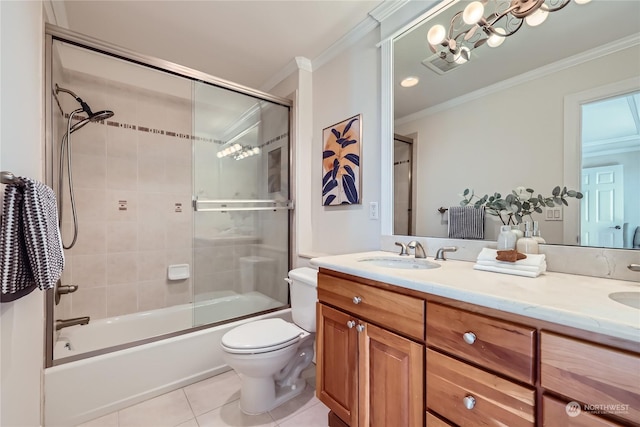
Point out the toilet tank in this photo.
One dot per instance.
(303, 287)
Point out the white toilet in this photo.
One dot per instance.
(270, 354)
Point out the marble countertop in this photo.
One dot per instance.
(578, 301)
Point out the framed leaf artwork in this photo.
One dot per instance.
(341, 162)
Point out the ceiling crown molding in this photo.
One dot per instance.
(555, 67)
(386, 9)
(298, 63)
(56, 13)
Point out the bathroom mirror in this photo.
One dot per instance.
(524, 114)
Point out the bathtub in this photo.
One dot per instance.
(212, 307)
(81, 390)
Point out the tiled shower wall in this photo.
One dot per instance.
(132, 178)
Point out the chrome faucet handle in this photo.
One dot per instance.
(403, 249)
(440, 254)
(417, 247)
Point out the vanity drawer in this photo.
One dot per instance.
(467, 396)
(554, 414)
(591, 374)
(391, 310)
(494, 344)
(433, 421)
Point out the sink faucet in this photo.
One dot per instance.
(440, 254)
(65, 323)
(403, 249)
(419, 250)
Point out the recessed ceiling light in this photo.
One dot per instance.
(409, 81)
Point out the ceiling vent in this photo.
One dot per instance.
(439, 65)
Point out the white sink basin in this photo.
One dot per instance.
(630, 299)
(401, 263)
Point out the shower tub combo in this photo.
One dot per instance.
(125, 377)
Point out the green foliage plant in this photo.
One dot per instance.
(518, 204)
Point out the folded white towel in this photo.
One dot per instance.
(507, 270)
(514, 265)
(535, 260)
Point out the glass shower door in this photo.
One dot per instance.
(241, 202)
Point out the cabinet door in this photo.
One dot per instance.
(391, 379)
(337, 363)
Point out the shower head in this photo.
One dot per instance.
(91, 116)
(94, 117)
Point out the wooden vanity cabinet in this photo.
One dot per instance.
(602, 378)
(392, 357)
(368, 375)
(468, 357)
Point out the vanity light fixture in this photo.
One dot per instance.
(490, 22)
(410, 81)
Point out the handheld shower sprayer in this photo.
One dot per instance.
(91, 116)
(65, 151)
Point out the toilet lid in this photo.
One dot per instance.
(266, 333)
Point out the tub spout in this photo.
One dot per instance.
(65, 323)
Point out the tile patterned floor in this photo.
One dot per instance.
(214, 403)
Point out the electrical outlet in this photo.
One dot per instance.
(373, 210)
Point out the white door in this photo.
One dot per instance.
(602, 210)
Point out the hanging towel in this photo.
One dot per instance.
(31, 251)
(466, 222)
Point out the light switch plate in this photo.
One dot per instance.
(373, 210)
(553, 214)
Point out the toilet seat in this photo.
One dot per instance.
(262, 336)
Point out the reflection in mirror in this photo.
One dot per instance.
(498, 121)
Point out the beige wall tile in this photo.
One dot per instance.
(122, 268)
(89, 302)
(151, 295)
(151, 174)
(91, 140)
(122, 299)
(90, 271)
(122, 173)
(122, 236)
(92, 238)
(152, 205)
(112, 205)
(178, 235)
(151, 146)
(90, 205)
(178, 293)
(152, 265)
(89, 171)
(122, 143)
(151, 235)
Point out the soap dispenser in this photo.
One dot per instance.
(506, 239)
(527, 244)
(536, 234)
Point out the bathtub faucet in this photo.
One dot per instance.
(65, 323)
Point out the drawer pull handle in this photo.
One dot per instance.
(469, 337)
(351, 324)
(360, 328)
(469, 402)
(357, 300)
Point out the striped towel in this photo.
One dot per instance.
(30, 245)
(466, 222)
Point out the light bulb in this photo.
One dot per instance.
(436, 35)
(473, 13)
(462, 56)
(537, 17)
(582, 1)
(409, 81)
(237, 146)
(220, 155)
(256, 150)
(496, 40)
